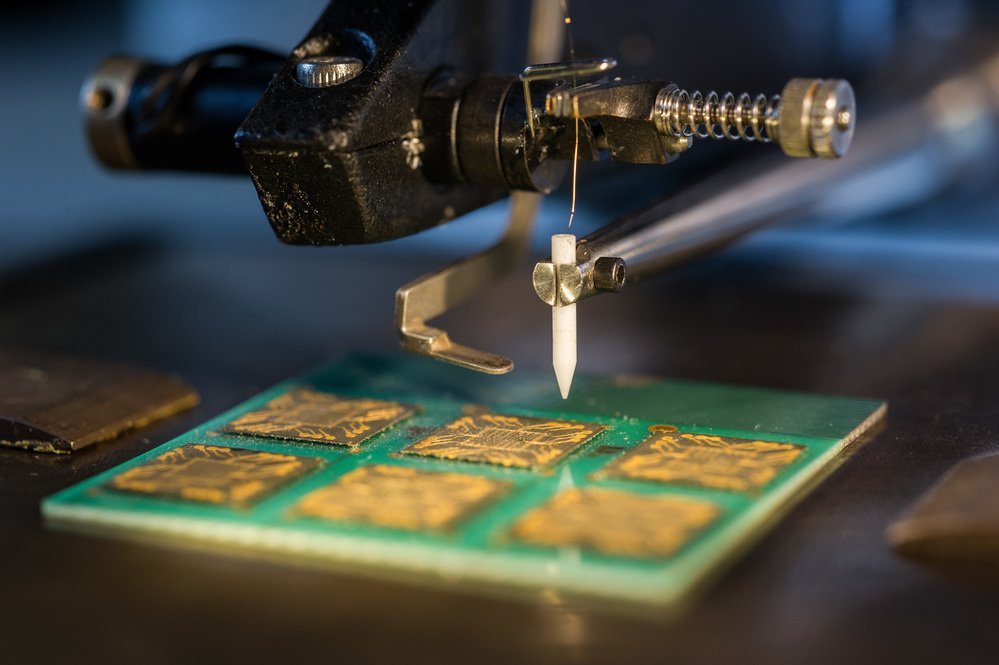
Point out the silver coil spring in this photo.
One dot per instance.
(727, 116)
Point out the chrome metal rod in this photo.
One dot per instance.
(906, 154)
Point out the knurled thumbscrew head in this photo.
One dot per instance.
(810, 118)
(327, 70)
(816, 118)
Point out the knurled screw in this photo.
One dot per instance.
(327, 70)
(810, 118)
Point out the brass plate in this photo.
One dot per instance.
(515, 441)
(615, 522)
(59, 405)
(703, 460)
(214, 474)
(401, 498)
(317, 417)
(954, 527)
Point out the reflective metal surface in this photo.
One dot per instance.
(436, 293)
(326, 71)
(940, 137)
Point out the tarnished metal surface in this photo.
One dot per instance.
(217, 475)
(955, 525)
(505, 440)
(60, 405)
(614, 522)
(317, 417)
(402, 498)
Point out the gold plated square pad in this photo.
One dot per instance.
(715, 462)
(515, 441)
(214, 474)
(401, 497)
(615, 522)
(317, 417)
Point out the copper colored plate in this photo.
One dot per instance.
(504, 440)
(955, 525)
(215, 474)
(705, 460)
(60, 405)
(616, 523)
(402, 498)
(317, 417)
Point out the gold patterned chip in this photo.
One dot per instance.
(506, 440)
(317, 417)
(704, 460)
(214, 474)
(615, 522)
(401, 497)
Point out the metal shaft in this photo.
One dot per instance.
(911, 151)
(810, 118)
(144, 115)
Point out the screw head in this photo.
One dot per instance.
(834, 113)
(325, 71)
(817, 117)
(609, 274)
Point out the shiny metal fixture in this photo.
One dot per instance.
(104, 100)
(436, 293)
(924, 133)
(557, 70)
(326, 71)
(810, 118)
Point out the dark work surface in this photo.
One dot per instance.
(822, 587)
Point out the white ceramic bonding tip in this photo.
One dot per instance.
(564, 319)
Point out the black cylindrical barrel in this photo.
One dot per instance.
(143, 115)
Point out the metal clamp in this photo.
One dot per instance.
(557, 70)
(436, 293)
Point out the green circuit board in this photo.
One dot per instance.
(634, 489)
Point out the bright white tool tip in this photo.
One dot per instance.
(564, 319)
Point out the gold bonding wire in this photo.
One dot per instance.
(575, 109)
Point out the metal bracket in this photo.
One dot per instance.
(555, 70)
(436, 293)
